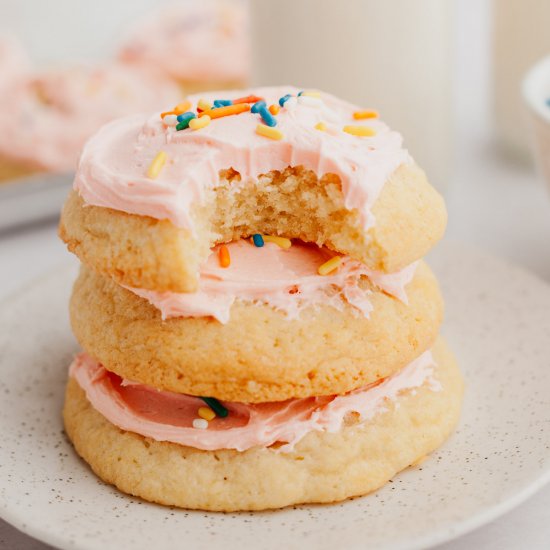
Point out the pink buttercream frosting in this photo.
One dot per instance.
(113, 167)
(285, 279)
(193, 41)
(47, 117)
(166, 416)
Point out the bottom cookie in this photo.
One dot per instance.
(323, 467)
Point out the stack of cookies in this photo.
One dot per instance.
(258, 325)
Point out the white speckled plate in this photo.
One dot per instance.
(498, 322)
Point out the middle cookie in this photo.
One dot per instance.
(264, 325)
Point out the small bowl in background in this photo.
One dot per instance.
(536, 95)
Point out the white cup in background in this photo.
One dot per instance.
(390, 55)
(536, 95)
(521, 36)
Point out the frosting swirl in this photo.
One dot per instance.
(285, 279)
(166, 416)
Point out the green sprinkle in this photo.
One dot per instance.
(216, 406)
(184, 119)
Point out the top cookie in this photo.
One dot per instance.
(152, 199)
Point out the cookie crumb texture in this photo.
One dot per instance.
(323, 468)
(143, 252)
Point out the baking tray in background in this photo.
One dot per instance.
(31, 199)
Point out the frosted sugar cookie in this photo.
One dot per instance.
(155, 445)
(267, 327)
(152, 195)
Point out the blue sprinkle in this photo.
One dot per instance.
(258, 240)
(222, 102)
(261, 108)
(186, 117)
(267, 117)
(284, 99)
(548, 102)
(300, 93)
(257, 106)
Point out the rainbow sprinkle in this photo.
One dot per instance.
(361, 131)
(226, 111)
(271, 133)
(207, 413)
(181, 107)
(359, 115)
(284, 99)
(223, 256)
(222, 102)
(184, 119)
(203, 105)
(170, 120)
(247, 99)
(198, 123)
(258, 240)
(260, 107)
(216, 406)
(156, 165)
(330, 265)
(281, 242)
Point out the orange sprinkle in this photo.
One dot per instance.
(226, 111)
(223, 254)
(162, 115)
(359, 115)
(182, 107)
(274, 109)
(247, 99)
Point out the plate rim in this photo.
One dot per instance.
(436, 537)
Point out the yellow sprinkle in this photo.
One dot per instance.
(321, 126)
(203, 105)
(361, 131)
(312, 93)
(359, 115)
(206, 413)
(198, 123)
(268, 132)
(182, 107)
(279, 241)
(330, 265)
(156, 165)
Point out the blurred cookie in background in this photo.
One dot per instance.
(201, 45)
(47, 115)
